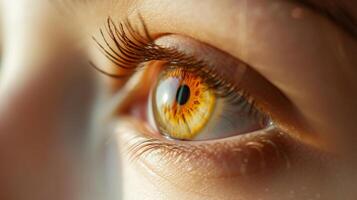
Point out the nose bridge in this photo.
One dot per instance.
(46, 94)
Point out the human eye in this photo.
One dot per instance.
(197, 98)
(192, 95)
(201, 104)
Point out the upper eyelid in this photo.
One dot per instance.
(229, 67)
(130, 47)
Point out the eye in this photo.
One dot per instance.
(199, 93)
(184, 106)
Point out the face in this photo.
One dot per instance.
(231, 99)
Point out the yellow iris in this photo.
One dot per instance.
(182, 104)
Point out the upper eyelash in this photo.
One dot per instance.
(136, 47)
(133, 47)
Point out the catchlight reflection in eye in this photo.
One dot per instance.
(182, 103)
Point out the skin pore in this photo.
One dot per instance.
(70, 132)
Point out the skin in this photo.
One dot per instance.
(60, 140)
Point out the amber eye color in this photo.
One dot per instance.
(182, 103)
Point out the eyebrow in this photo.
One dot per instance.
(335, 11)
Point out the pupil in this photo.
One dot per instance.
(183, 94)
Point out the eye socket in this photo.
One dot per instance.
(235, 101)
(184, 106)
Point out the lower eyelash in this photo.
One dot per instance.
(249, 156)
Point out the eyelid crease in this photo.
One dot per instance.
(334, 11)
(229, 67)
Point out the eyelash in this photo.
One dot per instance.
(135, 48)
(275, 147)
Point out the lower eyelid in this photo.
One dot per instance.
(260, 154)
(218, 160)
